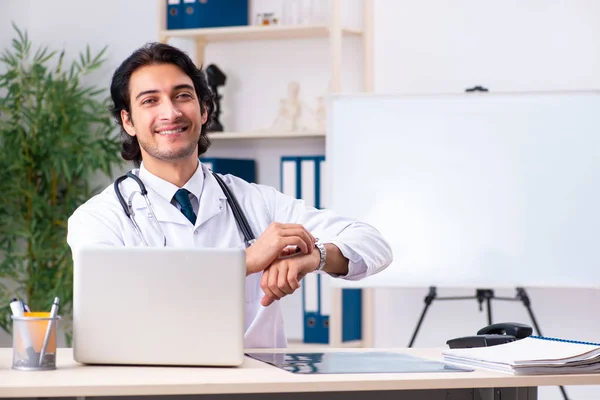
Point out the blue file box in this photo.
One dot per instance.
(214, 13)
(306, 183)
(174, 14)
(242, 168)
(351, 315)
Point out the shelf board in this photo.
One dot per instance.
(263, 135)
(258, 32)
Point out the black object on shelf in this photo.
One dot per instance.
(215, 78)
(476, 89)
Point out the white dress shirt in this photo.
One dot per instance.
(101, 220)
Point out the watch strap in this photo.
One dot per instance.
(323, 254)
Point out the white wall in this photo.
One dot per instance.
(438, 46)
(12, 11)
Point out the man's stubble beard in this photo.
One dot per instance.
(170, 155)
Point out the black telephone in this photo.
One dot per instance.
(492, 335)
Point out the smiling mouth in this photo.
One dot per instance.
(172, 131)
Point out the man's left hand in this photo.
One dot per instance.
(283, 276)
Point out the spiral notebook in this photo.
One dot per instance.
(533, 355)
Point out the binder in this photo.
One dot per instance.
(289, 177)
(174, 14)
(304, 178)
(189, 11)
(242, 168)
(215, 13)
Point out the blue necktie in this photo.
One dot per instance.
(182, 196)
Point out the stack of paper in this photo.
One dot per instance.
(533, 355)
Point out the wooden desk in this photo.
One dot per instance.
(255, 380)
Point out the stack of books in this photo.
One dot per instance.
(533, 355)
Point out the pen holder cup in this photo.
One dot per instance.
(34, 341)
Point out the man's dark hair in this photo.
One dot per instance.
(153, 54)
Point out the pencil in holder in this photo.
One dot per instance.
(34, 341)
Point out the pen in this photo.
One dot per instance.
(17, 309)
(53, 313)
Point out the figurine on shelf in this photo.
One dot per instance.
(317, 117)
(215, 78)
(320, 114)
(289, 112)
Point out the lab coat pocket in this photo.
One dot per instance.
(253, 290)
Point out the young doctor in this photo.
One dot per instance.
(163, 104)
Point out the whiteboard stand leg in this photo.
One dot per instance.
(524, 297)
(487, 295)
(428, 300)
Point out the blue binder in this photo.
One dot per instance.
(302, 177)
(174, 14)
(242, 168)
(215, 13)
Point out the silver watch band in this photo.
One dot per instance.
(323, 254)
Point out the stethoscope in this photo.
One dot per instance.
(239, 216)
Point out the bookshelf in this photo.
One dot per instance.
(239, 33)
(263, 135)
(334, 32)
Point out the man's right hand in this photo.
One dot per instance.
(273, 242)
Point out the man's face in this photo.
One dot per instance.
(165, 113)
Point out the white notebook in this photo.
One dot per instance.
(533, 355)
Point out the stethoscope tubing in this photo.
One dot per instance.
(238, 214)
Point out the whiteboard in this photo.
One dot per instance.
(472, 190)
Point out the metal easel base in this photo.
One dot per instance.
(481, 295)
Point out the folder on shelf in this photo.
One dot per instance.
(242, 168)
(174, 14)
(351, 314)
(304, 178)
(190, 9)
(289, 182)
(301, 178)
(215, 13)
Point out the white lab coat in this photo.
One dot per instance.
(101, 220)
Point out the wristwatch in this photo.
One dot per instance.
(323, 254)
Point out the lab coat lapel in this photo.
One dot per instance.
(163, 210)
(212, 199)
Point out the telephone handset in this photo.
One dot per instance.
(492, 335)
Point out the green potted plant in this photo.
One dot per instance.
(56, 135)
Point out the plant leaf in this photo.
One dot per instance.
(49, 122)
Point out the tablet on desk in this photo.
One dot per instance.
(354, 363)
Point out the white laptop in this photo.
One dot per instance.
(159, 306)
